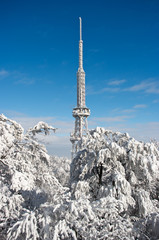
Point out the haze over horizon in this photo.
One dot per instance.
(39, 61)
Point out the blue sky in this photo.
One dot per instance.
(39, 61)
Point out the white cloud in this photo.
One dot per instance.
(156, 101)
(128, 110)
(153, 89)
(116, 110)
(144, 131)
(150, 85)
(3, 73)
(112, 119)
(140, 131)
(140, 106)
(134, 108)
(138, 87)
(113, 89)
(22, 78)
(64, 127)
(13, 114)
(116, 82)
(57, 145)
(103, 90)
(25, 81)
(17, 77)
(110, 90)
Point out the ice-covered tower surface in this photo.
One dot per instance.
(81, 112)
(80, 74)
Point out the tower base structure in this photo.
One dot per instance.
(81, 127)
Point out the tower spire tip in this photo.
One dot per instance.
(80, 28)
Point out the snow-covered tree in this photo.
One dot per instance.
(26, 178)
(61, 169)
(113, 193)
(112, 165)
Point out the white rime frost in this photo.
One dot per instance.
(110, 190)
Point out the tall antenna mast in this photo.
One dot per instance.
(81, 112)
(80, 47)
(80, 28)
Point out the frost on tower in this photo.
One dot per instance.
(81, 112)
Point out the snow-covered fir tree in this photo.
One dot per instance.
(110, 190)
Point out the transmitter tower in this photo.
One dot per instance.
(81, 112)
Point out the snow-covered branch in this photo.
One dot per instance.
(41, 127)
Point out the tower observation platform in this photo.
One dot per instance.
(81, 112)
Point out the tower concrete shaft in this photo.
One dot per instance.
(81, 112)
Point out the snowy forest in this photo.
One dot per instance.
(110, 190)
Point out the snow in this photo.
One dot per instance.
(109, 191)
(41, 127)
